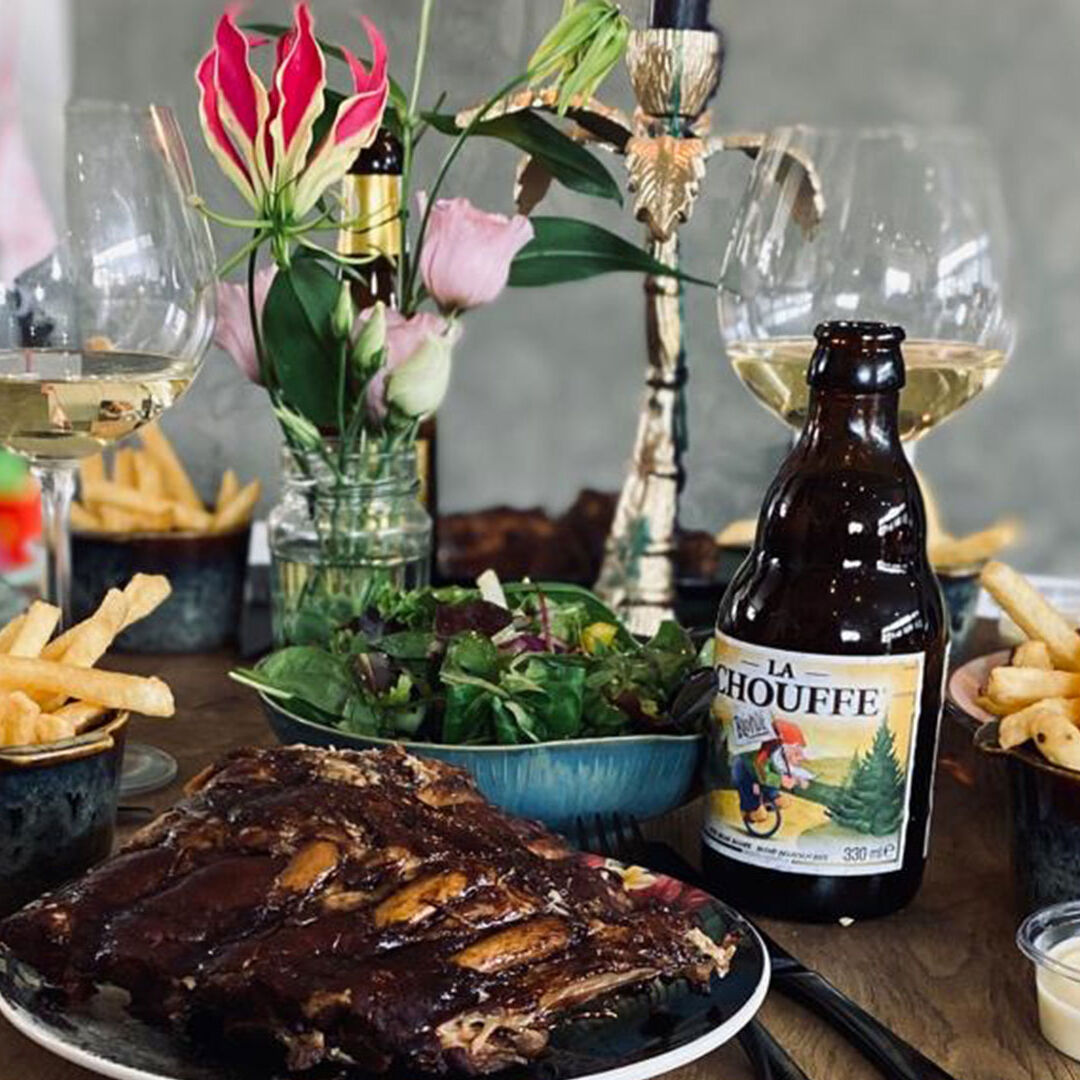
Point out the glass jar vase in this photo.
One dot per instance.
(335, 540)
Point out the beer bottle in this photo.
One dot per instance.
(371, 197)
(831, 649)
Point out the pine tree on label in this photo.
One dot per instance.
(872, 801)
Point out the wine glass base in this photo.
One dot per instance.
(146, 769)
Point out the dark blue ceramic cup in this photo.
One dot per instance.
(57, 810)
(206, 570)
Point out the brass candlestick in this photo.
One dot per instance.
(674, 73)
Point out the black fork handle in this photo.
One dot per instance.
(893, 1057)
(770, 1060)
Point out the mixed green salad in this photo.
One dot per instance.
(504, 665)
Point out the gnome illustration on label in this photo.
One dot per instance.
(778, 763)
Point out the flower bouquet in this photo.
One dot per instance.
(353, 341)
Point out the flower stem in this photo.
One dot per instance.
(238, 256)
(410, 284)
(265, 374)
(231, 222)
(421, 59)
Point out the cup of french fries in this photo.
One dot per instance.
(957, 560)
(1035, 697)
(62, 728)
(144, 515)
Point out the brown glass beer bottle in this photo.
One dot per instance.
(371, 196)
(831, 649)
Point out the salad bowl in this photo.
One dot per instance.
(537, 689)
(553, 782)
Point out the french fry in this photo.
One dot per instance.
(148, 476)
(115, 520)
(124, 468)
(177, 483)
(81, 714)
(22, 705)
(20, 730)
(92, 639)
(190, 518)
(1032, 654)
(239, 510)
(1015, 688)
(10, 632)
(18, 726)
(739, 533)
(1018, 727)
(227, 491)
(110, 493)
(51, 728)
(150, 696)
(92, 469)
(951, 552)
(144, 593)
(84, 518)
(1056, 736)
(1035, 616)
(37, 627)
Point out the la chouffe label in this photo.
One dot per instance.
(811, 757)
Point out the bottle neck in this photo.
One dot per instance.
(851, 426)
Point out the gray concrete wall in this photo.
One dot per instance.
(547, 383)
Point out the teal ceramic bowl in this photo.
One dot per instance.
(554, 782)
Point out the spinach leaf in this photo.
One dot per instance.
(472, 654)
(468, 719)
(310, 674)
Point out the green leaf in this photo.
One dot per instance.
(308, 673)
(565, 249)
(300, 341)
(408, 644)
(397, 95)
(568, 162)
(473, 654)
(560, 593)
(468, 716)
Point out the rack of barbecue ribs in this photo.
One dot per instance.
(335, 906)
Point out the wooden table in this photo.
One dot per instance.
(945, 973)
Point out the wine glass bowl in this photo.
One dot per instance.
(897, 225)
(108, 331)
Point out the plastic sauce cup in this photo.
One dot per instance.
(1051, 940)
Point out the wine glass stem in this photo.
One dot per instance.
(57, 481)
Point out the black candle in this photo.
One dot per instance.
(680, 14)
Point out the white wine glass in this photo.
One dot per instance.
(897, 224)
(108, 331)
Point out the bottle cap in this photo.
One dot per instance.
(858, 357)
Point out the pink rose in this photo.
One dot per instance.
(404, 337)
(466, 256)
(233, 331)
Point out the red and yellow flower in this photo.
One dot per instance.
(263, 139)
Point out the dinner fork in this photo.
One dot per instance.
(770, 1060)
(622, 838)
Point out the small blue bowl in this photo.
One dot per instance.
(553, 782)
(57, 810)
(206, 571)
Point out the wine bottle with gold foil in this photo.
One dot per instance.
(371, 197)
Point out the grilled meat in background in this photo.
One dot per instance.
(366, 907)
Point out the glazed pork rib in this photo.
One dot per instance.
(354, 907)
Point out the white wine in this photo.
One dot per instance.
(57, 405)
(942, 376)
